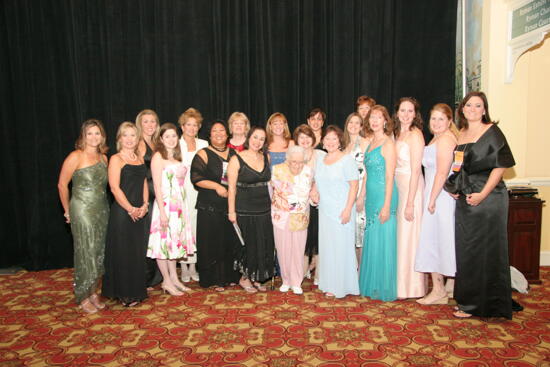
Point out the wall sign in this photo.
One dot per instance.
(528, 23)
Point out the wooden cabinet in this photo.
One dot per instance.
(524, 226)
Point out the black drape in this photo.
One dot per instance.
(65, 61)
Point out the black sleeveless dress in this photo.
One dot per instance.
(256, 258)
(216, 238)
(125, 248)
(152, 272)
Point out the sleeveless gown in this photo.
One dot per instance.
(256, 259)
(410, 283)
(177, 241)
(152, 272)
(89, 213)
(377, 274)
(125, 249)
(337, 260)
(436, 249)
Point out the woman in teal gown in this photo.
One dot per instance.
(377, 275)
(87, 211)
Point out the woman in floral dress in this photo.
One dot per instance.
(171, 236)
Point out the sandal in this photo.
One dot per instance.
(87, 306)
(260, 287)
(219, 289)
(329, 295)
(248, 289)
(461, 314)
(94, 299)
(131, 304)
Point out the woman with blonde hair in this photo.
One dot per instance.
(436, 249)
(87, 211)
(278, 138)
(125, 249)
(239, 125)
(190, 122)
(147, 123)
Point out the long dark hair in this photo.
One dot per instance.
(486, 118)
(161, 148)
(250, 132)
(417, 120)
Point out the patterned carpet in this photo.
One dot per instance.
(40, 326)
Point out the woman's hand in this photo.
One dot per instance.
(454, 196)
(345, 216)
(221, 191)
(431, 207)
(232, 217)
(409, 212)
(475, 198)
(314, 196)
(67, 218)
(384, 215)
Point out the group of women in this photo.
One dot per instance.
(352, 208)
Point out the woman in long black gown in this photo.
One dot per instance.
(482, 283)
(125, 248)
(249, 206)
(216, 238)
(147, 123)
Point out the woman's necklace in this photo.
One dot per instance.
(218, 149)
(131, 158)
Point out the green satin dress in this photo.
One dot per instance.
(89, 213)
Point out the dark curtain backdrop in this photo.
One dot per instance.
(65, 61)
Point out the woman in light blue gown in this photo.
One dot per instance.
(336, 177)
(377, 278)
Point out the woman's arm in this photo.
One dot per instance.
(416, 144)
(115, 167)
(444, 159)
(69, 166)
(476, 198)
(232, 176)
(345, 216)
(203, 183)
(388, 152)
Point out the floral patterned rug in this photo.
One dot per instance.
(40, 326)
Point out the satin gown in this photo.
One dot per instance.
(377, 275)
(89, 213)
(410, 283)
(482, 282)
(436, 249)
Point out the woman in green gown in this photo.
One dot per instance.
(87, 210)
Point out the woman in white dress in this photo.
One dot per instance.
(190, 122)
(436, 249)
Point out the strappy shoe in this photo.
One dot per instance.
(260, 287)
(249, 288)
(94, 299)
(172, 291)
(461, 314)
(87, 306)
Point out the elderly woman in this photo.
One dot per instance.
(239, 125)
(291, 182)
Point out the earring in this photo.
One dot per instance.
(385, 122)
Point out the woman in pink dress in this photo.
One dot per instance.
(410, 187)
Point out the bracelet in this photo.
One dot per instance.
(231, 213)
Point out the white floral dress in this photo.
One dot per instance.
(177, 240)
(360, 220)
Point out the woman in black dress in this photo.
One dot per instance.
(482, 283)
(249, 206)
(147, 123)
(216, 237)
(125, 248)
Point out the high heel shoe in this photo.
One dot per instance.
(94, 299)
(182, 288)
(260, 287)
(87, 306)
(438, 301)
(171, 291)
(248, 288)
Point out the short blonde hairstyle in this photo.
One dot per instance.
(121, 129)
(190, 113)
(235, 116)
